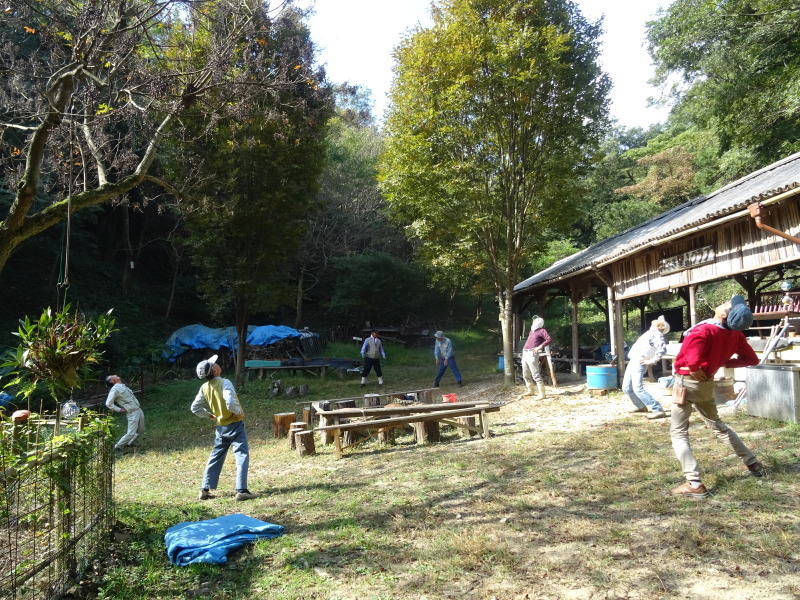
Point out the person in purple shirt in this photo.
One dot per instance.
(537, 340)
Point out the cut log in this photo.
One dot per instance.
(308, 415)
(305, 443)
(467, 421)
(327, 435)
(296, 427)
(427, 432)
(282, 423)
(386, 436)
(345, 404)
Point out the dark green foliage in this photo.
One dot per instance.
(379, 288)
(739, 63)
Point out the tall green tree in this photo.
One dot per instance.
(497, 108)
(247, 208)
(350, 216)
(89, 91)
(735, 66)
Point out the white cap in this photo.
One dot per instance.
(204, 367)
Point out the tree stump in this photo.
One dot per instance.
(372, 400)
(281, 424)
(346, 404)
(308, 416)
(327, 436)
(303, 391)
(348, 436)
(427, 432)
(386, 436)
(305, 443)
(296, 427)
(467, 421)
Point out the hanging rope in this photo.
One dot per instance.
(63, 281)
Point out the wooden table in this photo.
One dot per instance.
(294, 368)
(382, 417)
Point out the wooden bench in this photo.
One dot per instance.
(383, 417)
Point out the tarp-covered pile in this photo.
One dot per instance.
(198, 337)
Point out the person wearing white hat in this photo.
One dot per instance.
(217, 400)
(647, 350)
(538, 340)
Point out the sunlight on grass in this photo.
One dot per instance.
(560, 509)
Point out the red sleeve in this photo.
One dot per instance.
(547, 339)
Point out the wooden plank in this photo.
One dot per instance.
(388, 410)
(430, 416)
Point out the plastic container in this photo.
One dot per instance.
(449, 398)
(601, 377)
(501, 363)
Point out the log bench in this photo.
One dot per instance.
(382, 417)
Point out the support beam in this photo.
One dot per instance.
(692, 304)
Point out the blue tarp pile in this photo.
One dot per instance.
(198, 337)
(211, 541)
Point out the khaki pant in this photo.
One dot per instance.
(700, 396)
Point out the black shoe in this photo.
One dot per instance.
(435, 384)
(460, 384)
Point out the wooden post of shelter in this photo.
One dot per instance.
(576, 351)
(282, 423)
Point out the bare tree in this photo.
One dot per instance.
(89, 91)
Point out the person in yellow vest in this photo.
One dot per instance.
(217, 400)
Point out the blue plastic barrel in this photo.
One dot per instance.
(601, 377)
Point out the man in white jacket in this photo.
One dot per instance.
(121, 399)
(647, 350)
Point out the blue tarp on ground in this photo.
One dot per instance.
(197, 337)
(211, 541)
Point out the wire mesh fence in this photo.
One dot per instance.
(56, 508)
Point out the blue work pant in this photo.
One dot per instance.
(227, 436)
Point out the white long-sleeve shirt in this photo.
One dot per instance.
(120, 396)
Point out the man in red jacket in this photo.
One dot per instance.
(706, 348)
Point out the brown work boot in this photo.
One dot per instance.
(529, 391)
(687, 490)
(540, 388)
(639, 410)
(205, 495)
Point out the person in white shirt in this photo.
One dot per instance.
(121, 399)
(647, 350)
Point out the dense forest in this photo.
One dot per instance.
(190, 163)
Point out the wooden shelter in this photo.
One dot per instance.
(746, 230)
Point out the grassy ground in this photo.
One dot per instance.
(569, 499)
